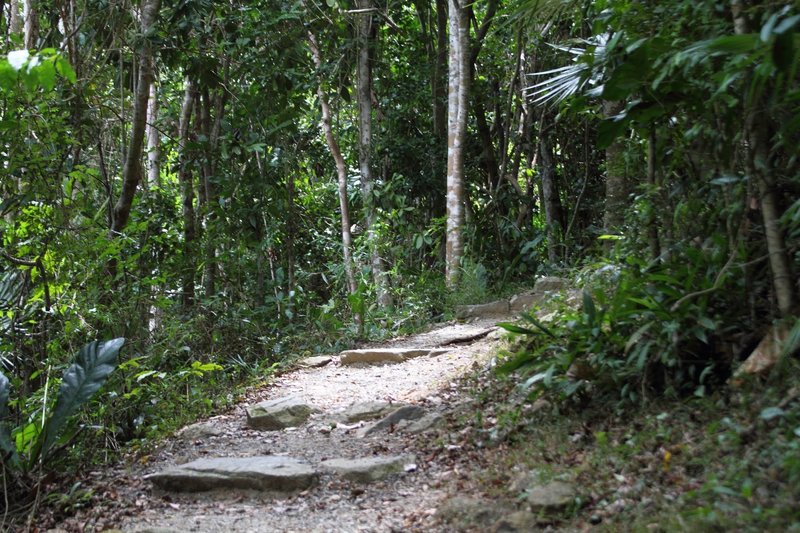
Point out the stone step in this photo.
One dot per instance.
(369, 469)
(265, 473)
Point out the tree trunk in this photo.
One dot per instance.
(439, 69)
(211, 105)
(616, 181)
(290, 235)
(457, 99)
(153, 139)
(31, 24)
(652, 226)
(551, 199)
(132, 170)
(341, 168)
(14, 18)
(209, 193)
(488, 157)
(759, 167)
(187, 193)
(366, 37)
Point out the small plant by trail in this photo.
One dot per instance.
(29, 441)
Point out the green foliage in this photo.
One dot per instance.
(35, 440)
(639, 331)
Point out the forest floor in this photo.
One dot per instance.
(408, 500)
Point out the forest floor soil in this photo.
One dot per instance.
(406, 501)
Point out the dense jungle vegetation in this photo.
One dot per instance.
(196, 192)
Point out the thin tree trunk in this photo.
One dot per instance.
(341, 169)
(31, 24)
(488, 157)
(15, 20)
(153, 138)
(439, 69)
(366, 36)
(551, 198)
(209, 190)
(652, 227)
(187, 193)
(457, 101)
(616, 183)
(290, 235)
(132, 170)
(759, 166)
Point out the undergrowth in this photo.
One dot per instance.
(726, 462)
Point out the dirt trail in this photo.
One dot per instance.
(402, 502)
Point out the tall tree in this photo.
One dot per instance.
(759, 167)
(366, 43)
(341, 167)
(31, 24)
(457, 104)
(132, 170)
(14, 18)
(187, 194)
(153, 138)
(617, 187)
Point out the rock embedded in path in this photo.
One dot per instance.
(498, 308)
(407, 412)
(279, 414)
(549, 283)
(200, 431)
(551, 497)
(368, 469)
(517, 522)
(316, 361)
(524, 301)
(266, 473)
(367, 411)
(472, 514)
(386, 355)
(153, 530)
(427, 422)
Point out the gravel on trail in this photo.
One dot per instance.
(401, 502)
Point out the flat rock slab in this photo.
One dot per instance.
(266, 473)
(498, 308)
(549, 283)
(367, 411)
(369, 469)
(316, 361)
(200, 431)
(386, 355)
(279, 414)
(427, 422)
(524, 301)
(407, 412)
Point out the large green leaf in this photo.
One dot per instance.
(92, 366)
(4, 386)
(7, 448)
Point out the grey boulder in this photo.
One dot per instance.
(279, 414)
